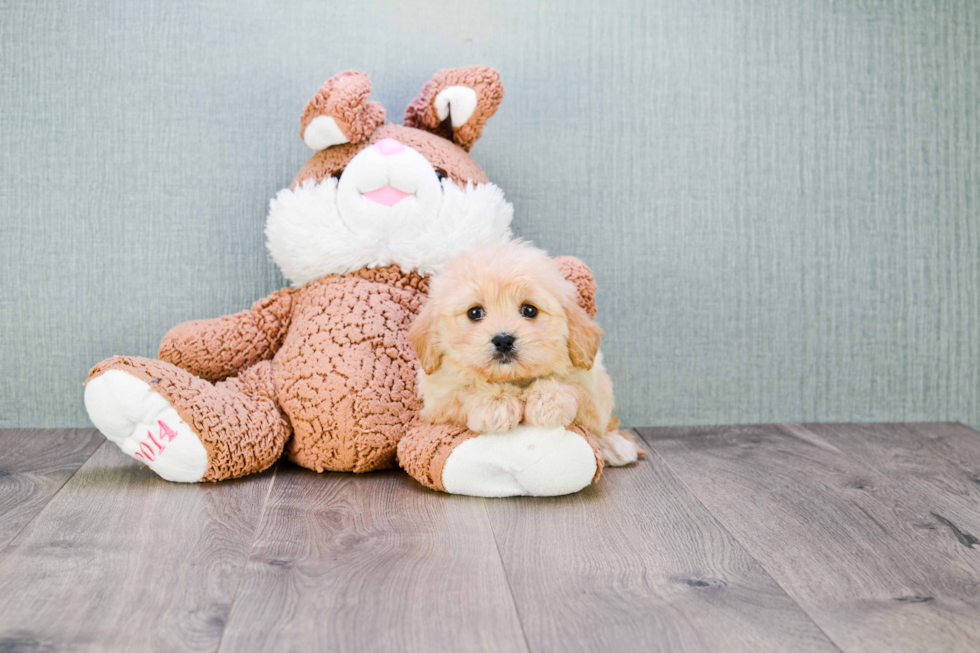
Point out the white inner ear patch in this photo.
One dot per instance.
(458, 102)
(323, 132)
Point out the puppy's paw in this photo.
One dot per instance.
(617, 450)
(495, 415)
(550, 404)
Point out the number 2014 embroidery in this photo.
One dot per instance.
(147, 451)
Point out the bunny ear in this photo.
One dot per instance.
(340, 113)
(456, 103)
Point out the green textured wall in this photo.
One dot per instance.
(780, 200)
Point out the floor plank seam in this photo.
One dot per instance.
(248, 554)
(503, 567)
(748, 552)
(40, 512)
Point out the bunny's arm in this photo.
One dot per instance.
(221, 347)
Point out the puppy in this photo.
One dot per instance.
(502, 340)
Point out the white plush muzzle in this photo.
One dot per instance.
(385, 208)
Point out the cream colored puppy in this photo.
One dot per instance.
(502, 339)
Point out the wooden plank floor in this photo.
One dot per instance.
(844, 537)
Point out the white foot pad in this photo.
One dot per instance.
(145, 426)
(617, 450)
(527, 461)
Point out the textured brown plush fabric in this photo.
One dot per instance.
(489, 89)
(238, 420)
(345, 374)
(595, 449)
(424, 450)
(341, 379)
(579, 273)
(344, 98)
(222, 347)
(325, 371)
(426, 447)
(445, 156)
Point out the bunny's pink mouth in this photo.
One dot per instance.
(388, 196)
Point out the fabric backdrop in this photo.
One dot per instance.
(780, 200)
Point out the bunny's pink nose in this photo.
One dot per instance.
(389, 147)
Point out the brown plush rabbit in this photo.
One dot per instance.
(324, 370)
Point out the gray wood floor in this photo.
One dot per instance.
(846, 537)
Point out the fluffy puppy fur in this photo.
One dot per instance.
(502, 340)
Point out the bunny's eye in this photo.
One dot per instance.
(476, 313)
(529, 311)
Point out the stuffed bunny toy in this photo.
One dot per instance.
(323, 370)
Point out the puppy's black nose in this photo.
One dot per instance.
(504, 342)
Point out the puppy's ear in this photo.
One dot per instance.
(422, 336)
(584, 335)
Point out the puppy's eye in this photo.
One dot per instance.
(476, 313)
(529, 311)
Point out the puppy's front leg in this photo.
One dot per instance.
(492, 409)
(549, 403)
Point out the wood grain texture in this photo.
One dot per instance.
(33, 467)
(788, 537)
(939, 463)
(121, 560)
(863, 555)
(374, 562)
(635, 563)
